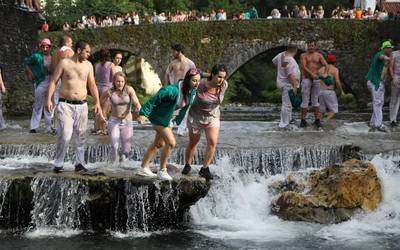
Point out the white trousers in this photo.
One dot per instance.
(286, 110)
(120, 133)
(310, 89)
(39, 106)
(377, 104)
(395, 99)
(71, 120)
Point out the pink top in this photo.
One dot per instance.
(205, 106)
(103, 74)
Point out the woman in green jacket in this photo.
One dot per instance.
(159, 110)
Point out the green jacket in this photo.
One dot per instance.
(375, 71)
(36, 64)
(160, 107)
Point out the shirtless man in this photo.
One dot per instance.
(329, 79)
(179, 66)
(76, 75)
(65, 51)
(176, 71)
(311, 61)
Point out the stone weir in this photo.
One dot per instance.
(264, 160)
(32, 197)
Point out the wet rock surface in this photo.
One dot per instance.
(329, 195)
(101, 200)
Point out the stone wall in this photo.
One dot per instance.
(18, 38)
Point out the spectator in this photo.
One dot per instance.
(320, 12)
(358, 14)
(45, 27)
(295, 12)
(66, 27)
(275, 14)
(303, 12)
(285, 12)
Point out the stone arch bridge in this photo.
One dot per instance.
(231, 42)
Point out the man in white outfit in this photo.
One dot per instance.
(76, 75)
(38, 69)
(395, 91)
(287, 79)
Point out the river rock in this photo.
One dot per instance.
(330, 195)
(104, 199)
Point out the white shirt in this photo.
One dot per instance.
(286, 66)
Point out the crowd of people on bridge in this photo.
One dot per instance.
(134, 18)
(302, 12)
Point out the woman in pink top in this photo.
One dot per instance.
(120, 126)
(204, 114)
(103, 75)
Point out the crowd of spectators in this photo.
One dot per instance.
(338, 13)
(134, 18)
(297, 11)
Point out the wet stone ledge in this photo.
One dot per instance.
(120, 200)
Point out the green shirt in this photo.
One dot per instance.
(375, 71)
(160, 107)
(36, 64)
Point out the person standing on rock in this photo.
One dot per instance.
(395, 91)
(76, 75)
(159, 110)
(120, 126)
(287, 80)
(311, 61)
(204, 114)
(176, 71)
(2, 91)
(38, 69)
(329, 78)
(375, 84)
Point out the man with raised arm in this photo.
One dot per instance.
(311, 61)
(76, 75)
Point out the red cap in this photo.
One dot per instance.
(331, 58)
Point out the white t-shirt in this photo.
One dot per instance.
(286, 66)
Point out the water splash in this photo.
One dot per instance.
(237, 208)
(150, 207)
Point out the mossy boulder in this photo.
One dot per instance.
(329, 195)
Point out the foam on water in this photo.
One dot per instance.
(52, 232)
(237, 207)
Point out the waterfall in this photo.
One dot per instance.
(58, 202)
(4, 185)
(150, 207)
(263, 160)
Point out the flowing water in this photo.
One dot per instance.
(235, 214)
